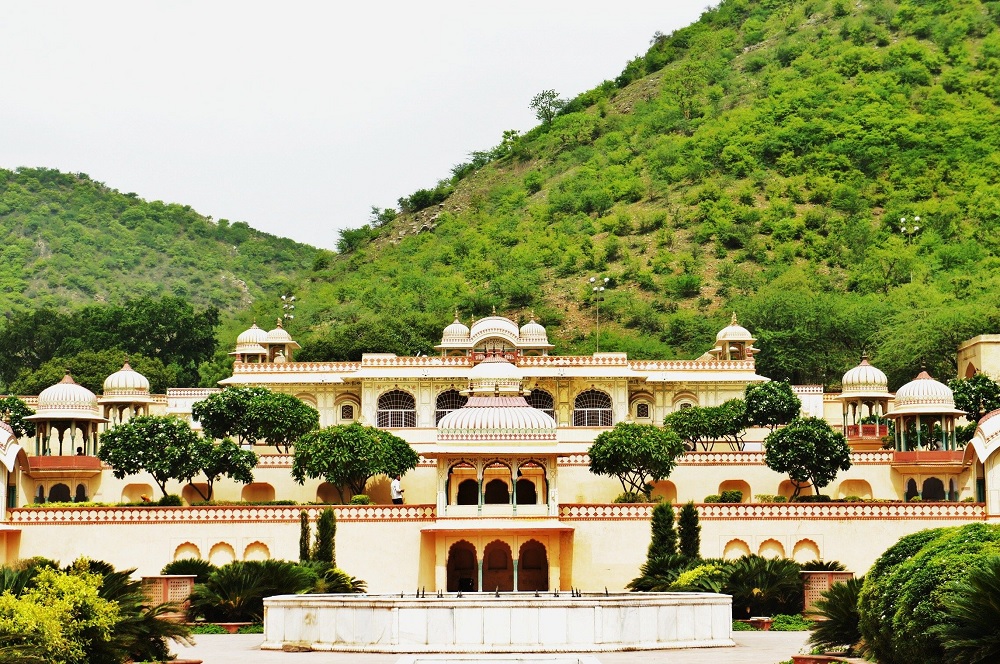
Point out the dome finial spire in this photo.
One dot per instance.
(494, 310)
(733, 319)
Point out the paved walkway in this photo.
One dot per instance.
(751, 648)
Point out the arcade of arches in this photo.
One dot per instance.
(496, 569)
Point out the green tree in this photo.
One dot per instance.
(976, 396)
(164, 447)
(224, 459)
(729, 422)
(771, 404)
(636, 454)
(545, 105)
(305, 537)
(326, 534)
(694, 425)
(13, 411)
(91, 367)
(810, 451)
(664, 537)
(249, 414)
(690, 531)
(348, 455)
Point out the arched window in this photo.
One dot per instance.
(543, 401)
(642, 411)
(592, 408)
(396, 409)
(448, 401)
(347, 412)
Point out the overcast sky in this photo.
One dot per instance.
(295, 117)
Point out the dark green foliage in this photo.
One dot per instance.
(731, 496)
(823, 566)
(201, 569)
(771, 404)
(765, 586)
(659, 573)
(165, 447)
(636, 454)
(690, 531)
(13, 411)
(837, 623)
(970, 631)
(361, 499)
(664, 538)
(170, 500)
(976, 396)
(250, 414)
(908, 591)
(786, 623)
(809, 450)
(236, 592)
(305, 537)
(326, 533)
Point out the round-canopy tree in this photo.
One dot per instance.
(637, 454)
(976, 396)
(165, 447)
(225, 459)
(249, 414)
(808, 450)
(771, 404)
(348, 455)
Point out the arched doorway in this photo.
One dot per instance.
(532, 567)
(468, 493)
(498, 567)
(911, 489)
(526, 493)
(933, 489)
(496, 493)
(462, 567)
(59, 493)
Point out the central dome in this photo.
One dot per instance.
(66, 400)
(495, 375)
(497, 419)
(734, 332)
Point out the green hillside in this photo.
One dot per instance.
(758, 161)
(67, 240)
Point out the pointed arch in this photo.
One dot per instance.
(463, 567)
(498, 566)
(532, 566)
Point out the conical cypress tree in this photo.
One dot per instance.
(664, 541)
(690, 531)
(305, 535)
(326, 531)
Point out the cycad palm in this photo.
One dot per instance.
(971, 632)
(838, 611)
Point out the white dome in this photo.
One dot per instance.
(66, 401)
(495, 375)
(734, 332)
(497, 418)
(864, 378)
(126, 385)
(278, 335)
(254, 335)
(923, 394)
(532, 332)
(494, 325)
(457, 331)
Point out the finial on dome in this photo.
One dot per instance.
(68, 378)
(532, 315)
(456, 315)
(279, 322)
(494, 310)
(733, 320)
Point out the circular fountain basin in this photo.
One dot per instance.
(504, 623)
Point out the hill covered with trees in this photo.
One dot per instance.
(770, 159)
(68, 240)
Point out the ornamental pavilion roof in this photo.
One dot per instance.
(924, 395)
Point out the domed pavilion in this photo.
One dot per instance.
(126, 395)
(66, 407)
(864, 395)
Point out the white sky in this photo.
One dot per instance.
(295, 117)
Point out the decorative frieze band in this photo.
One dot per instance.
(228, 513)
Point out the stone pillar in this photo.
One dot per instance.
(554, 554)
(440, 563)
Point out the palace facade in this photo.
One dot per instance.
(502, 497)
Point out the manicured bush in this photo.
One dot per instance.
(790, 623)
(326, 532)
(361, 499)
(629, 497)
(689, 531)
(207, 628)
(731, 496)
(664, 535)
(256, 628)
(971, 629)
(170, 500)
(908, 590)
(713, 498)
(707, 578)
(739, 626)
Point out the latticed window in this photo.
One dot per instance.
(642, 410)
(347, 412)
(448, 401)
(592, 408)
(396, 409)
(543, 401)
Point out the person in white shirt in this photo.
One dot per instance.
(396, 491)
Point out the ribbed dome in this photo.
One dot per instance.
(864, 378)
(126, 379)
(457, 331)
(494, 325)
(497, 418)
(989, 427)
(278, 335)
(254, 335)
(532, 332)
(734, 332)
(923, 394)
(67, 400)
(495, 375)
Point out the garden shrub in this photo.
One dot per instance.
(814, 499)
(910, 587)
(207, 628)
(170, 500)
(731, 496)
(739, 626)
(256, 628)
(630, 497)
(236, 592)
(714, 498)
(765, 586)
(707, 578)
(361, 499)
(790, 623)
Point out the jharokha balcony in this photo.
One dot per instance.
(76, 466)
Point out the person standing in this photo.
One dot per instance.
(396, 491)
